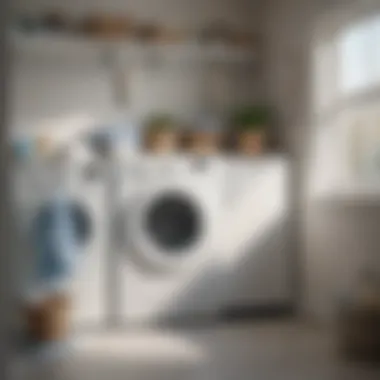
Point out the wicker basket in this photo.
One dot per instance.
(49, 320)
(251, 143)
(106, 26)
(359, 332)
(158, 34)
(161, 142)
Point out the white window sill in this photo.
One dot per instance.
(357, 194)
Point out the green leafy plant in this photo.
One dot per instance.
(252, 118)
(160, 123)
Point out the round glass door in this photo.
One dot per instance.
(173, 223)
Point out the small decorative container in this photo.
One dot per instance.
(161, 135)
(106, 26)
(48, 320)
(251, 143)
(55, 21)
(204, 142)
(157, 34)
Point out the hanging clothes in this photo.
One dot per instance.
(57, 232)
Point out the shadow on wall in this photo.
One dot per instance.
(343, 240)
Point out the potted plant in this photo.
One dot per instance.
(251, 124)
(161, 134)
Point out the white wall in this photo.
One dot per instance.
(179, 89)
(335, 239)
(44, 95)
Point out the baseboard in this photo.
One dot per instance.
(229, 314)
(253, 312)
(188, 321)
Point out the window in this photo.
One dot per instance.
(359, 57)
(347, 108)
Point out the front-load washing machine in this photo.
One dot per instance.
(37, 179)
(166, 229)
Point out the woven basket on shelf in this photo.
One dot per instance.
(106, 26)
(161, 142)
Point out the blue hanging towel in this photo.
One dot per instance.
(57, 242)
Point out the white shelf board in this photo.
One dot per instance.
(353, 194)
(76, 48)
(190, 51)
(55, 47)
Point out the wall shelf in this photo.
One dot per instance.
(70, 48)
(70, 71)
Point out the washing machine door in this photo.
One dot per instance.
(171, 228)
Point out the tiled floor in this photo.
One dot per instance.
(260, 351)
